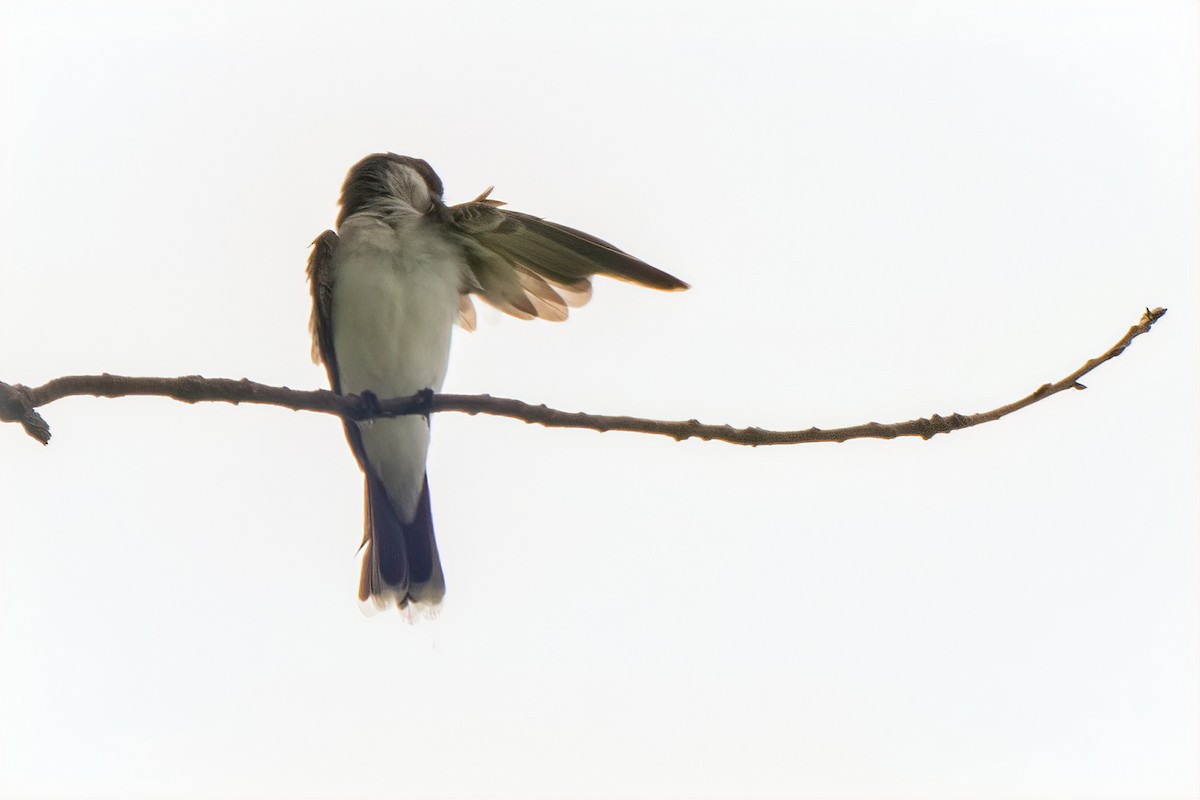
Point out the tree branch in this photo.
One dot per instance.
(17, 404)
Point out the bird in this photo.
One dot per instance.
(387, 288)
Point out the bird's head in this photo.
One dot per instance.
(386, 180)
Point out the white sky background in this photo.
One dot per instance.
(886, 210)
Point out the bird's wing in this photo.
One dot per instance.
(320, 283)
(321, 279)
(529, 267)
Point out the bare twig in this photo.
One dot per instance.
(17, 404)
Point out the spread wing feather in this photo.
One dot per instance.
(529, 267)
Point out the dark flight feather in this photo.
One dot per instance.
(320, 284)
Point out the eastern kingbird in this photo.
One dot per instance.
(386, 289)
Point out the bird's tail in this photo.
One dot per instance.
(400, 564)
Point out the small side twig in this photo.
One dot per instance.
(17, 404)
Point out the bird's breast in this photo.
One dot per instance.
(395, 299)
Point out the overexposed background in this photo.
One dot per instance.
(886, 210)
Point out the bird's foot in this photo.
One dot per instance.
(370, 402)
(425, 402)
